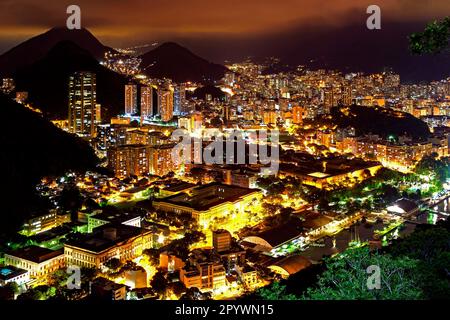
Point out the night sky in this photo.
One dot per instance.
(328, 32)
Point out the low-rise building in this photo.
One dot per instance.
(100, 219)
(206, 202)
(105, 289)
(204, 271)
(109, 241)
(9, 274)
(37, 261)
(40, 222)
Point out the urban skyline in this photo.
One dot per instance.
(155, 173)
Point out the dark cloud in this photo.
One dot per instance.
(226, 29)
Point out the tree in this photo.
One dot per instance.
(152, 255)
(434, 39)
(113, 264)
(195, 294)
(159, 282)
(432, 248)
(14, 287)
(275, 291)
(346, 278)
(71, 200)
(58, 278)
(178, 288)
(38, 293)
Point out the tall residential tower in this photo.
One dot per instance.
(82, 104)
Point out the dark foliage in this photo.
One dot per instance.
(381, 121)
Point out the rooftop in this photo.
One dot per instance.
(207, 196)
(36, 254)
(10, 272)
(291, 264)
(107, 236)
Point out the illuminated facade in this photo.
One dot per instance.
(129, 160)
(37, 261)
(206, 202)
(179, 99)
(146, 102)
(165, 99)
(205, 271)
(40, 223)
(8, 85)
(297, 115)
(122, 242)
(82, 103)
(11, 274)
(131, 99)
(398, 156)
(160, 160)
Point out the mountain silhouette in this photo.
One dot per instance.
(33, 148)
(47, 79)
(170, 60)
(36, 48)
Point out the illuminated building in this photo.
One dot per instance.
(11, 274)
(8, 85)
(270, 118)
(98, 114)
(325, 138)
(221, 240)
(297, 114)
(124, 121)
(179, 98)
(347, 95)
(176, 188)
(82, 103)
(136, 136)
(330, 174)
(104, 289)
(37, 261)
(205, 271)
(40, 223)
(292, 235)
(243, 179)
(119, 241)
(249, 115)
(131, 99)
(230, 78)
(101, 219)
(146, 102)
(165, 99)
(404, 207)
(129, 160)
(196, 122)
(170, 262)
(185, 123)
(21, 97)
(287, 266)
(103, 137)
(144, 137)
(226, 113)
(249, 276)
(136, 278)
(206, 202)
(160, 160)
(231, 254)
(400, 156)
(118, 134)
(329, 99)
